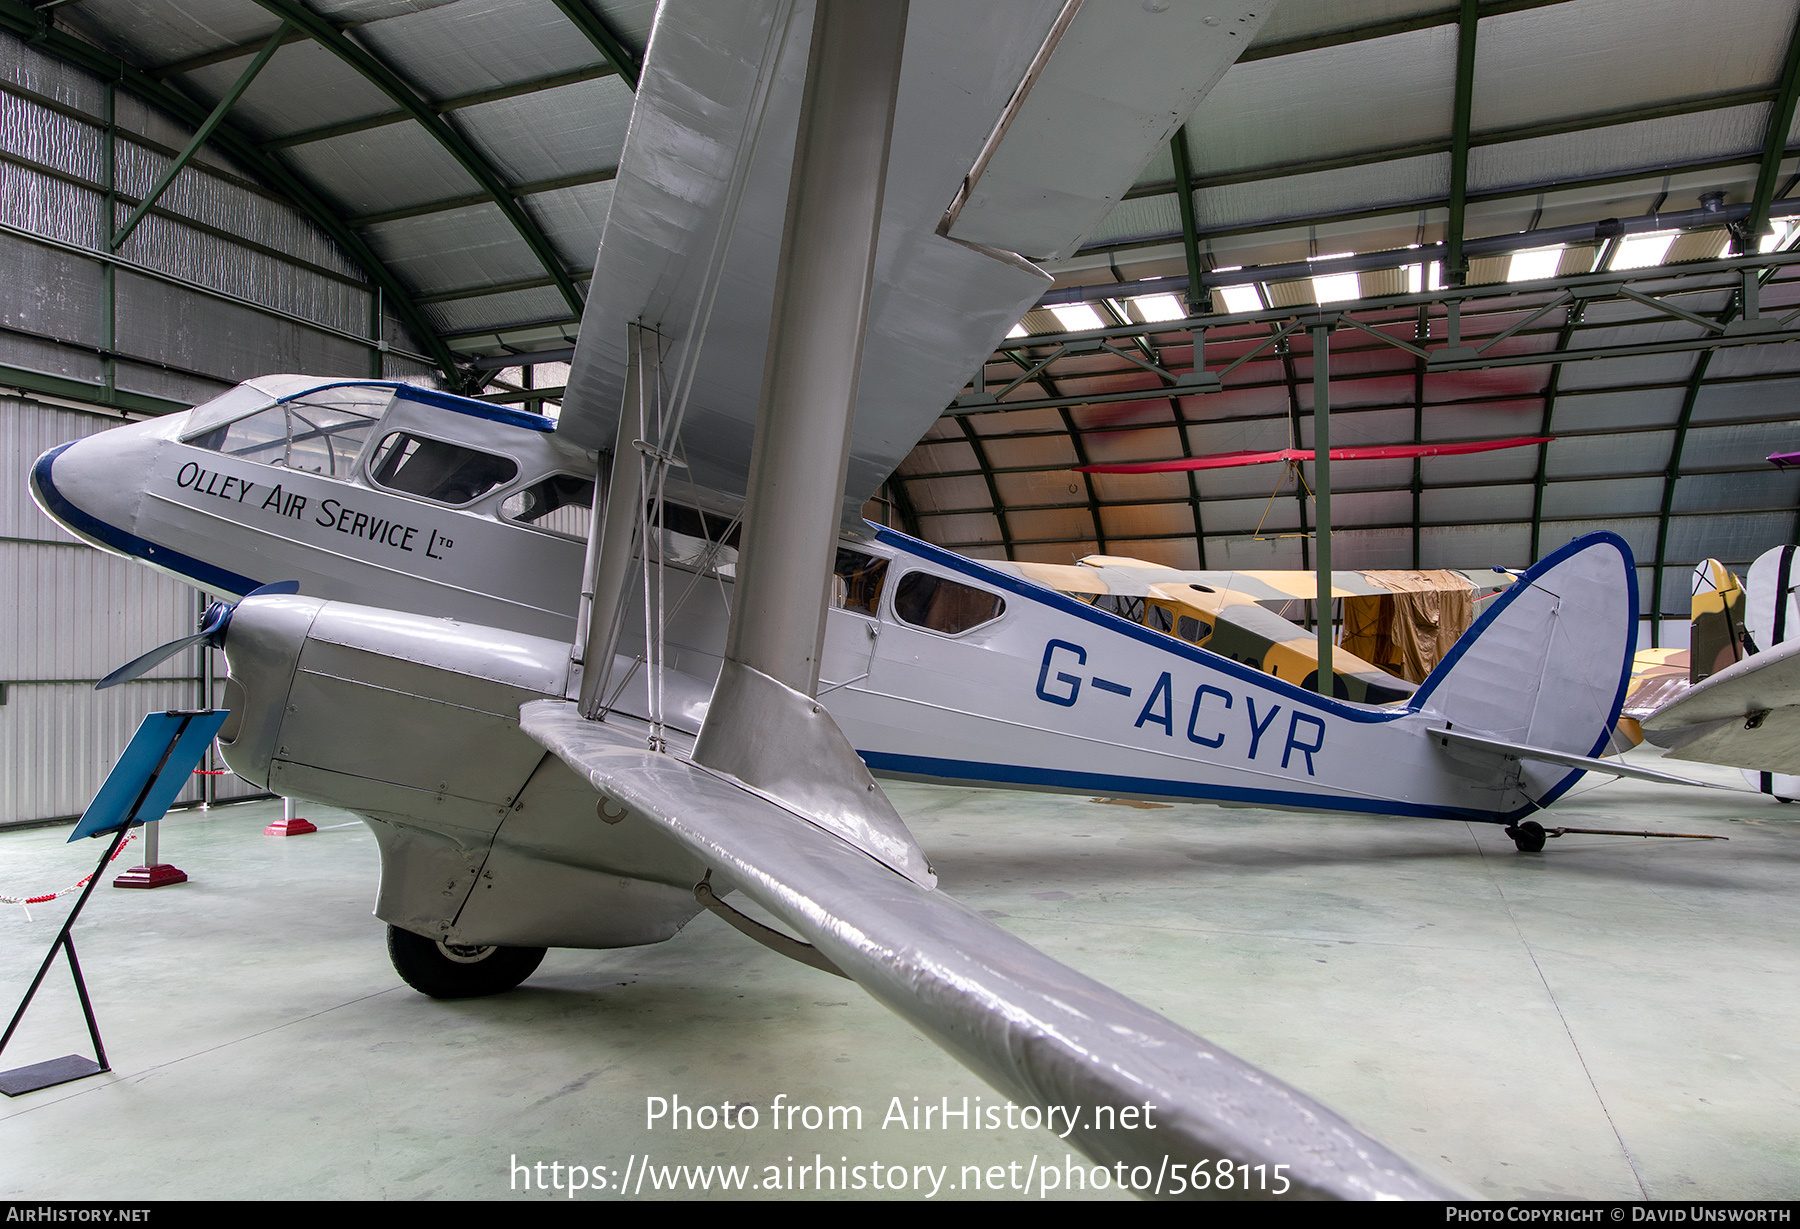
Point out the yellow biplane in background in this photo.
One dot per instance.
(1396, 625)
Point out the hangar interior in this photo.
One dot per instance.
(1570, 220)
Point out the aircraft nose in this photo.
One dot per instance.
(94, 486)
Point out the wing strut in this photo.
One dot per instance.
(764, 728)
(615, 535)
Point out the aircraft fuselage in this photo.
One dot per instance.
(937, 667)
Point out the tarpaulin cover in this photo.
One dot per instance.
(1408, 632)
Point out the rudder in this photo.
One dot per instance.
(1548, 663)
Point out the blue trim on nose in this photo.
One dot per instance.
(85, 525)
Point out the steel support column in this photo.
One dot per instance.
(1456, 267)
(1198, 299)
(109, 300)
(1321, 360)
(1781, 119)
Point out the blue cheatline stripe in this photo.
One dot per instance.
(929, 768)
(202, 573)
(443, 401)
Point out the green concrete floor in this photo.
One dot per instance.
(1613, 1018)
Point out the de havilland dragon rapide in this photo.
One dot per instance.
(586, 676)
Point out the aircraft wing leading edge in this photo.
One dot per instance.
(694, 229)
(1032, 1027)
(1747, 715)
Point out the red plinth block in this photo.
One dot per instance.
(290, 827)
(159, 876)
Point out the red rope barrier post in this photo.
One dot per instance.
(153, 873)
(289, 824)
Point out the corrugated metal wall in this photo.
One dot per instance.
(72, 614)
(221, 282)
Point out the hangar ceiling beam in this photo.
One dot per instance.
(1781, 119)
(460, 102)
(1481, 140)
(480, 198)
(1456, 268)
(30, 25)
(1383, 29)
(465, 154)
(202, 134)
(987, 476)
(609, 47)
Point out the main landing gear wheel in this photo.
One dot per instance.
(1528, 836)
(447, 971)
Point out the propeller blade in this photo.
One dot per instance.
(149, 661)
(218, 615)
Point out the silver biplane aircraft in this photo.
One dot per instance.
(585, 677)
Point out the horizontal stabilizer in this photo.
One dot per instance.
(1519, 751)
(1036, 1030)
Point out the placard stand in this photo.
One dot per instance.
(140, 787)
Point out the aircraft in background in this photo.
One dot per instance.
(1738, 700)
(586, 677)
(1405, 620)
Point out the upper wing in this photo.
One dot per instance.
(1035, 1029)
(693, 234)
(1747, 715)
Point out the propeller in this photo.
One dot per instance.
(212, 632)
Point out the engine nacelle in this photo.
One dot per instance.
(412, 723)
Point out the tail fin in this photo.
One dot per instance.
(1548, 662)
(1771, 611)
(1717, 639)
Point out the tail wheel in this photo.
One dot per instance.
(449, 971)
(1528, 836)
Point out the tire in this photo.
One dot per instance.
(1528, 836)
(446, 972)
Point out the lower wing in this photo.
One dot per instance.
(1033, 1028)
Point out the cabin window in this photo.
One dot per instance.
(1191, 629)
(856, 582)
(1130, 608)
(1160, 618)
(318, 434)
(691, 538)
(944, 606)
(561, 503)
(693, 523)
(436, 470)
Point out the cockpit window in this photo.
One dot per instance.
(319, 434)
(561, 503)
(941, 605)
(434, 469)
(856, 581)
